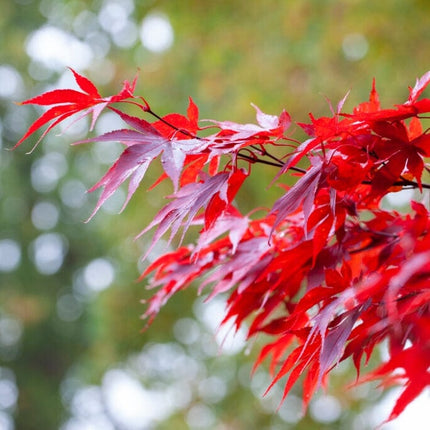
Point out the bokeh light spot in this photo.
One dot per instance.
(186, 331)
(112, 17)
(156, 33)
(48, 252)
(45, 215)
(10, 331)
(399, 198)
(6, 421)
(355, 46)
(10, 81)
(69, 308)
(10, 255)
(130, 403)
(99, 274)
(47, 171)
(200, 417)
(291, 410)
(73, 193)
(57, 49)
(212, 389)
(325, 409)
(8, 394)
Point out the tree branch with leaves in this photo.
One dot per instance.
(326, 273)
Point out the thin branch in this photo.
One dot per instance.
(263, 151)
(404, 183)
(412, 183)
(266, 153)
(180, 130)
(277, 162)
(258, 160)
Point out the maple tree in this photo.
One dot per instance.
(326, 273)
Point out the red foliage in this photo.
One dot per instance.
(326, 272)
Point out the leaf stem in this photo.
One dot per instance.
(180, 130)
(404, 183)
(266, 153)
(258, 160)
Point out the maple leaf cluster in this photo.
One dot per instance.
(326, 273)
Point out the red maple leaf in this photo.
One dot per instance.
(69, 102)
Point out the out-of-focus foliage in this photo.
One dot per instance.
(71, 352)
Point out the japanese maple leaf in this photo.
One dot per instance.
(400, 151)
(231, 222)
(322, 131)
(302, 192)
(144, 144)
(214, 193)
(173, 272)
(267, 124)
(67, 102)
(412, 107)
(173, 124)
(233, 136)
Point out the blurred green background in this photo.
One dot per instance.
(72, 355)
